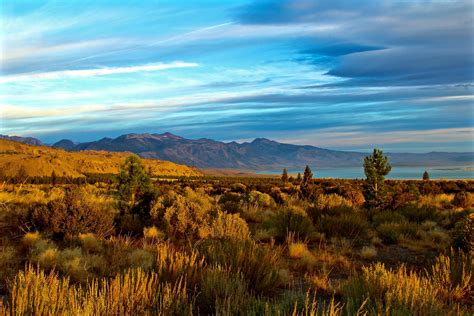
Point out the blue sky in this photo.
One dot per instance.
(349, 75)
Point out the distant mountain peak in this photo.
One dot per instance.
(66, 144)
(169, 135)
(261, 140)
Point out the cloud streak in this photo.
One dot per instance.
(105, 71)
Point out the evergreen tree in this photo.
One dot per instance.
(376, 167)
(426, 176)
(307, 175)
(307, 187)
(135, 190)
(298, 178)
(284, 175)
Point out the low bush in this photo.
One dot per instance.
(291, 219)
(351, 225)
(71, 215)
(368, 252)
(227, 226)
(173, 265)
(463, 199)
(388, 232)
(452, 274)
(463, 234)
(420, 214)
(396, 292)
(260, 199)
(231, 202)
(188, 214)
(387, 217)
(258, 264)
(222, 292)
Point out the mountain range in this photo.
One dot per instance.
(259, 155)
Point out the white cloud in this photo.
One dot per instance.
(94, 72)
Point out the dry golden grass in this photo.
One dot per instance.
(436, 200)
(42, 161)
(297, 250)
(368, 252)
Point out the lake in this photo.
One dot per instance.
(453, 173)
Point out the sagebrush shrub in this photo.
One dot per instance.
(463, 199)
(452, 274)
(173, 264)
(71, 215)
(291, 219)
(260, 199)
(231, 202)
(227, 226)
(222, 292)
(396, 292)
(348, 225)
(258, 264)
(188, 213)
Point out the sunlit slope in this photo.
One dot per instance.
(42, 161)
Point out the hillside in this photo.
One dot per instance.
(24, 140)
(259, 155)
(42, 160)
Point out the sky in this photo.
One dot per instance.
(349, 75)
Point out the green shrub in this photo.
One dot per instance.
(291, 219)
(419, 214)
(388, 232)
(188, 214)
(452, 275)
(387, 217)
(173, 265)
(463, 234)
(260, 199)
(231, 202)
(383, 291)
(350, 225)
(9, 265)
(140, 258)
(222, 292)
(463, 199)
(228, 226)
(71, 215)
(257, 263)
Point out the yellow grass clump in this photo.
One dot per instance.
(368, 252)
(135, 292)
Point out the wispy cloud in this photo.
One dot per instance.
(95, 72)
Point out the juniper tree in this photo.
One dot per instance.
(376, 167)
(307, 175)
(426, 176)
(135, 190)
(298, 178)
(284, 175)
(307, 183)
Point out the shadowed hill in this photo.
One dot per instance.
(42, 161)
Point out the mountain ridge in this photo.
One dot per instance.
(261, 154)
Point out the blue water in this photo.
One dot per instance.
(452, 173)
